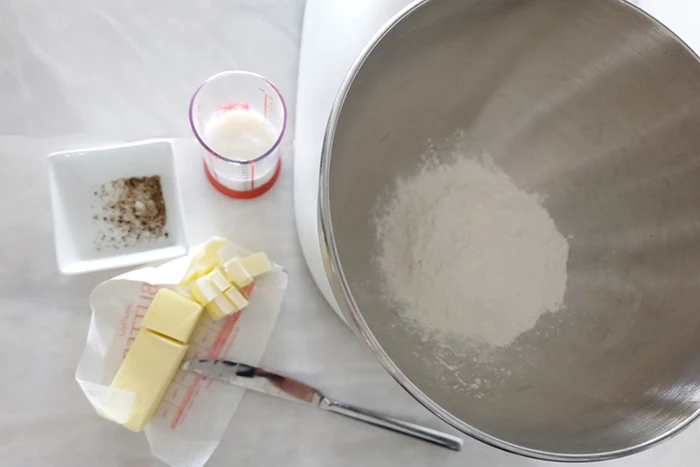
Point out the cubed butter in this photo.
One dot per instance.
(172, 315)
(147, 371)
(236, 297)
(237, 274)
(257, 264)
(204, 291)
(220, 282)
(204, 261)
(208, 262)
(221, 307)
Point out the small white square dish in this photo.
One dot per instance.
(82, 184)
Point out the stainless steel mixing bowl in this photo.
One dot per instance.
(593, 105)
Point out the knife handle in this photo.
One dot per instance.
(390, 423)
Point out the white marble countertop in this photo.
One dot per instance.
(77, 70)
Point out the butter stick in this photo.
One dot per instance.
(147, 371)
(172, 315)
(257, 264)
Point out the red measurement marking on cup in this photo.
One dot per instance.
(236, 106)
(222, 342)
(246, 194)
(265, 106)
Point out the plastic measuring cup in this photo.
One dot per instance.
(239, 117)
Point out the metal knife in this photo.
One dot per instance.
(275, 384)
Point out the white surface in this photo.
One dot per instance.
(123, 71)
(75, 175)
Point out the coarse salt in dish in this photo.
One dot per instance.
(76, 180)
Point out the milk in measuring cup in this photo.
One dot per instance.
(242, 135)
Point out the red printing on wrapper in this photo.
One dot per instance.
(191, 388)
(186, 386)
(148, 291)
(212, 339)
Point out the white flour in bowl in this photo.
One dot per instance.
(465, 253)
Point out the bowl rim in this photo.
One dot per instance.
(341, 290)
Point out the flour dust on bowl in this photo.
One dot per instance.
(555, 144)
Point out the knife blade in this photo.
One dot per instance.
(275, 384)
(257, 379)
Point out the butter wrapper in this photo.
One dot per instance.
(193, 415)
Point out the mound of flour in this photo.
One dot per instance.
(465, 253)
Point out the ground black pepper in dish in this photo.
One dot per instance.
(129, 211)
